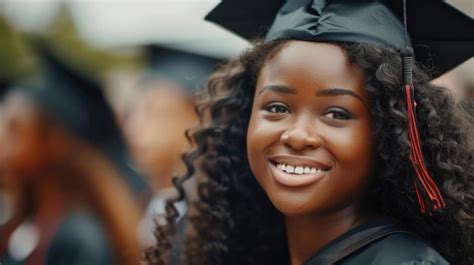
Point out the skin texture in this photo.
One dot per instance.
(298, 117)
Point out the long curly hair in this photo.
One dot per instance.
(233, 222)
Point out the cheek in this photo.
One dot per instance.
(354, 150)
(254, 141)
(24, 154)
(260, 135)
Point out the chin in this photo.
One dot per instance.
(294, 206)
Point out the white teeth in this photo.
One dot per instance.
(298, 169)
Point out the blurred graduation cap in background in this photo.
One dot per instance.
(77, 101)
(4, 85)
(441, 35)
(186, 69)
(161, 108)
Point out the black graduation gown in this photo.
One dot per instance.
(378, 242)
(79, 240)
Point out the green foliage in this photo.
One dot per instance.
(17, 58)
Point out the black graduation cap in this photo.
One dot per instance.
(441, 35)
(189, 70)
(77, 101)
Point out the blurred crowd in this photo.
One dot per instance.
(85, 167)
(87, 160)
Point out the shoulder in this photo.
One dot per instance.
(81, 239)
(398, 249)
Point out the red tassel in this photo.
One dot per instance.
(427, 192)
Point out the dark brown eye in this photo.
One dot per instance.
(277, 108)
(338, 114)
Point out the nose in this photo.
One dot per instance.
(301, 135)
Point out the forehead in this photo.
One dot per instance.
(19, 104)
(314, 63)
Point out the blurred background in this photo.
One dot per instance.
(147, 58)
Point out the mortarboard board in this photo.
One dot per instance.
(189, 70)
(441, 37)
(78, 103)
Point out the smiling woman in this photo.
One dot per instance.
(308, 153)
(278, 112)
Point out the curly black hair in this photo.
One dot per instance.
(232, 220)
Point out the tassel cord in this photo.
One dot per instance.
(427, 183)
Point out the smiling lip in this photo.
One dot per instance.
(297, 180)
(292, 180)
(299, 161)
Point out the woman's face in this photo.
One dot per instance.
(155, 131)
(310, 138)
(22, 153)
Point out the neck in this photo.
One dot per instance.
(50, 201)
(162, 177)
(53, 190)
(309, 234)
(162, 182)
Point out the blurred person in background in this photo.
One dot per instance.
(64, 164)
(158, 115)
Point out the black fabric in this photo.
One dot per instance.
(179, 241)
(442, 36)
(73, 98)
(79, 240)
(378, 242)
(340, 21)
(249, 19)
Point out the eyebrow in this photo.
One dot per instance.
(278, 88)
(327, 92)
